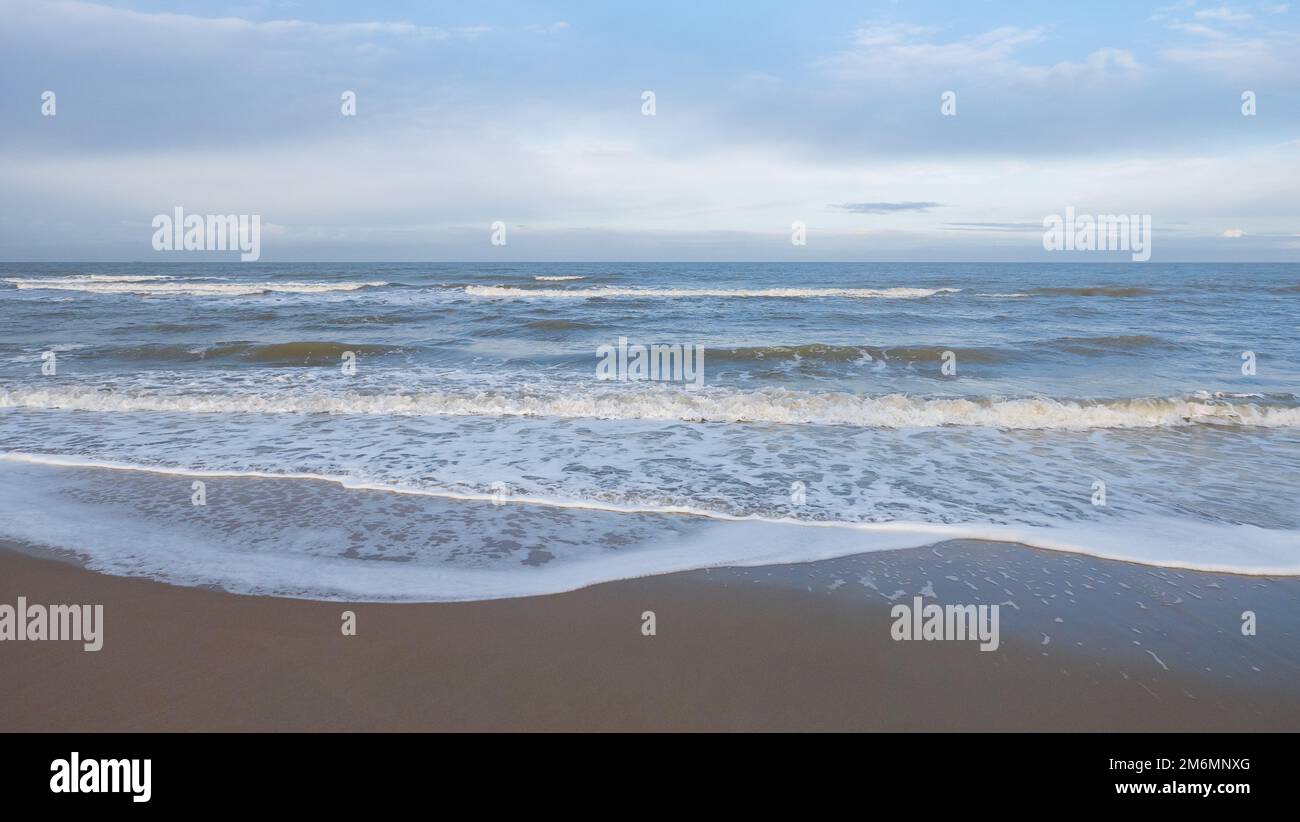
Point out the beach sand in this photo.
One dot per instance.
(780, 648)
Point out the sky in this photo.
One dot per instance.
(765, 114)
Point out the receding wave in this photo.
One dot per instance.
(172, 288)
(607, 292)
(818, 352)
(750, 540)
(705, 405)
(1093, 291)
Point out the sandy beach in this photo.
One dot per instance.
(784, 648)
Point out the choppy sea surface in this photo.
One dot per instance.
(473, 452)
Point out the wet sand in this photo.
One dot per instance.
(782, 648)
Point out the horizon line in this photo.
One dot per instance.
(651, 262)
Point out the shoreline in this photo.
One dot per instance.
(139, 520)
(770, 648)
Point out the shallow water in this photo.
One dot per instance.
(825, 424)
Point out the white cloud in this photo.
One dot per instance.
(110, 26)
(897, 52)
(1246, 50)
(1225, 14)
(589, 172)
(1271, 57)
(416, 164)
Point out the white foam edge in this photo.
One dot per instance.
(1168, 543)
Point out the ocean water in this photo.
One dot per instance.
(475, 454)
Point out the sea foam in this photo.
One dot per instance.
(151, 286)
(712, 405)
(216, 556)
(606, 292)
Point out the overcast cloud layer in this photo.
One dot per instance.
(531, 114)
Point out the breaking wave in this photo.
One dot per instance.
(725, 293)
(155, 287)
(708, 405)
(819, 352)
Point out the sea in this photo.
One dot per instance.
(445, 431)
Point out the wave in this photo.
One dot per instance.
(560, 325)
(367, 319)
(153, 288)
(725, 293)
(708, 405)
(306, 353)
(743, 540)
(824, 353)
(1110, 344)
(287, 353)
(819, 352)
(113, 278)
(558, 278)
(1092, 291)
(179, 328)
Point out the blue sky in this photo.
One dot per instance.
(766, 114)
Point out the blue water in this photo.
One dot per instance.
(824, 400)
